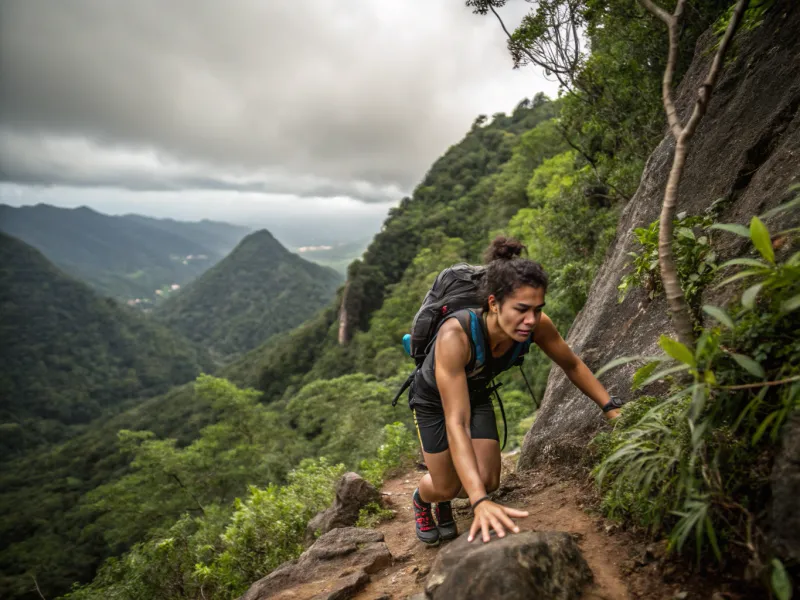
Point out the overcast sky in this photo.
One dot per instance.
(283, 113)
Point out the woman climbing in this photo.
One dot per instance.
(450, 394)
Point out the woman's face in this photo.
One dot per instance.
(520, 312)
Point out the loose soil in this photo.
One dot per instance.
(625, 565)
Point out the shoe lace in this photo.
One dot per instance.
(444, 513)
(423, 516)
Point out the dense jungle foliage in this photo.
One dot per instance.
(179, 496)
(69, 356)
(694, 463)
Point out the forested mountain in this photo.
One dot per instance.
(555, 174)
(125, 257)
(258, 290)
(69, 355)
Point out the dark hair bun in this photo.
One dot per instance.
(503, 248)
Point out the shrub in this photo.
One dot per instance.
(372, 514)
(398, 450)
(696, 464)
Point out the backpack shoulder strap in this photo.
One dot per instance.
(472, 326)
(520, 350)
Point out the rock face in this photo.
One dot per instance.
(784, 518)
(336, 567)
(745, 155)
(352, 494)
(517, 567)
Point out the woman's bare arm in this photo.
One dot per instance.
(551, 342)
(452, 355)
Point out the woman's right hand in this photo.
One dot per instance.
(490, 515)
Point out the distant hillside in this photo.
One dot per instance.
(125, 257)
(214, 235)
(69, 355)
(260, 289)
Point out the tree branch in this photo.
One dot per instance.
(704, 93)
(551, 68)
(591, 162)
(747, 386)
(185, 489)
(657, 11)
(36, 583)
(669, 276)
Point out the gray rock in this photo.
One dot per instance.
(784, 516)
(749, 162)
(342, 557)
(346, 587)
(517, 567)
(352, 494)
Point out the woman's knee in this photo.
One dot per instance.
(445, 486)
(451, 489)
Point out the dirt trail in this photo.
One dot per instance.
(623, 569)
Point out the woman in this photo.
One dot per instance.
(453, 408)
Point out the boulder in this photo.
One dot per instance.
(336, 567)
(352, 494)
(784, 517)
(742, 160)
(517, 567)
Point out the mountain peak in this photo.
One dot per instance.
(239, 303)
(260, 241)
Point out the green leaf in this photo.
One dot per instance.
(677, 350)
(623, 360)
(732, 228)
(748, 262)
(699, 398)
(643, 373)
(685, 232)
(712, 537)
(791, 304)
(662, 374)
(763, 427)
(750, 294)
(761, 240)
(736, 277)
(719, 314)
(779, 209)
(749, 365)
(779, 581)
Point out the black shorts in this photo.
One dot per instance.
(429, 420)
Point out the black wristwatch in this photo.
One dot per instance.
(614, 403)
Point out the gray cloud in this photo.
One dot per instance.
(82, 163)
(312, 98)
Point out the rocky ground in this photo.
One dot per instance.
(625, 565)
(388, 563)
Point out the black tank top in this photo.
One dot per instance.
(481, 369)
